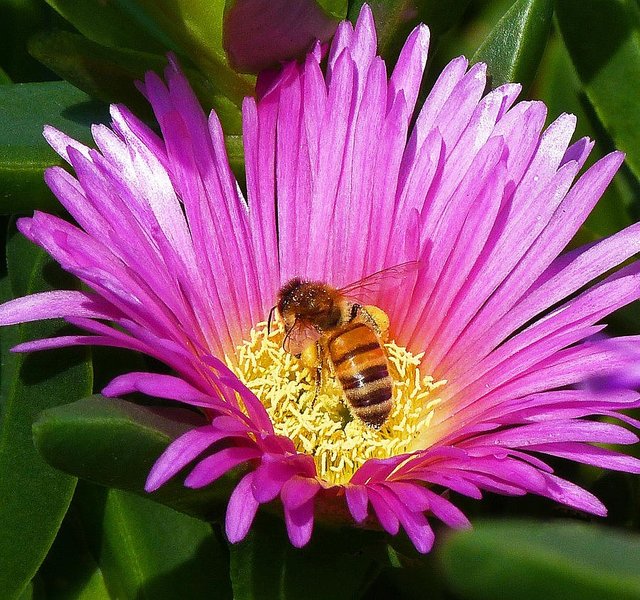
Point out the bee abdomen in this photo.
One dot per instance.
(361, 367)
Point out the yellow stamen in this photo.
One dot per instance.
(319, 421)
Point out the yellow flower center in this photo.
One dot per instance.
(319, 421)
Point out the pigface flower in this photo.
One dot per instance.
(453, 330)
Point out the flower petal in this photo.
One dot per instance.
(241, 510)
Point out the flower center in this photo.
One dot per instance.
(318, 419)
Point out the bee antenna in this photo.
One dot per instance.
(273, 308)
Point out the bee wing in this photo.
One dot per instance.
(299, 336)
(370, 286)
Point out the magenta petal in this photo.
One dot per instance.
(180, 453)
(160, 386)
(414, 497)
(269, 478)
(51, 305)
(63, 342)
(216, 465)
(559, 431)
(385, 513)
(572, 495)
(255, 408)
(241, 510)
(447, 512)
(457, 484)
(591, 455)
(298, 491)
(419, 531)
(357, 501)
(299, 522)
(413, 522)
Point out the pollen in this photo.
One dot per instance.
(315, 415)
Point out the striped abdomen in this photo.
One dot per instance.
(360, 365)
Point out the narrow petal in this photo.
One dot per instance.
(385, 513)
(52, 305)
(216, 465)
(299, 522)
(160, 386)
(357, 501)
(241, 510)
(180, 453)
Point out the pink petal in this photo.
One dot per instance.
(298, 491)
(241, 510)
(159, 386)
(357, 501)
(216, 465)
(299, 522)
(180, 453)
(384, 512)
(52, 305)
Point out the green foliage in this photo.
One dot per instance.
(20, 19)
(603, 39)
(109, 73)
(529, 560)
(146, 550)
(115, 443)
(514, 47)
(336, 564)
(24, 153)
(70, 569)
(113, 24)
(33, 496)
(117, 545)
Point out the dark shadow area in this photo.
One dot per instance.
(610, 28)
(87, 113)
(213, 585)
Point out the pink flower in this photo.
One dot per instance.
(339, 186)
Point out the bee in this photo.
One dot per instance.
(329, 322)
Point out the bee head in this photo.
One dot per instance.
(310, 302)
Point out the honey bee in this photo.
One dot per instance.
(331, 323)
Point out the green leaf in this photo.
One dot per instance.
(191, 28)
(259, 34)
(109, 74)
(20, 19)
(533, 560)
(195, 28)
(603, 39)
(336, 564)
(235, 152)
(396, 18)
(335, 8)
(24, 153)
(514, 48)
(35, 590)
(115, 443)
(104, 73)
(4, 78)
(33, 496)
(187, 23)
(113, 24)
(70, 570)
(560, 88)
(148, 551)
